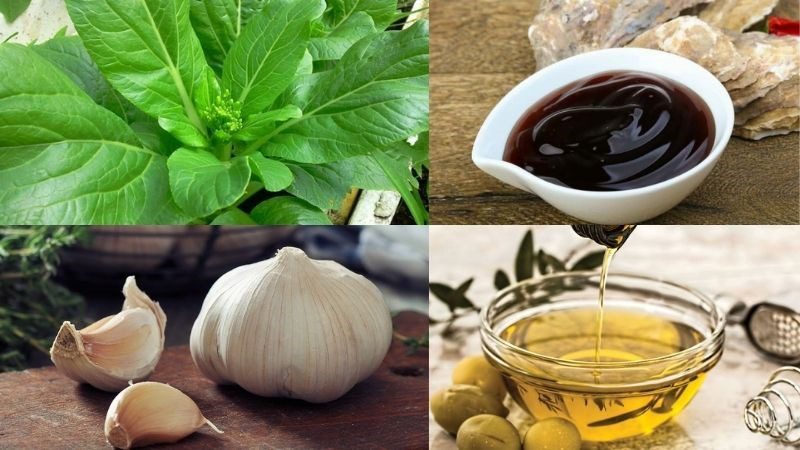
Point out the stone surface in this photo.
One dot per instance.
(784, 94)
(694, 39)
(788, 8)
(758, 70)
(563, 28)
(736, 15)
(774, 123)
(773, 58)
(754, 263)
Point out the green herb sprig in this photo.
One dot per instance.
(32, 306)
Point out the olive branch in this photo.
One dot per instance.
(529, 263)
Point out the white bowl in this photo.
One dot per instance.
(601, 207)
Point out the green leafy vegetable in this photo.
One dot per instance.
(178, 111)
(263, 61)
(68, 160)
(275, 175)
(219, 23)
(286, 210)
(12, 9)
(202, 184)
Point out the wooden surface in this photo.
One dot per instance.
(42, 409)
(480, 50)
(752, 263)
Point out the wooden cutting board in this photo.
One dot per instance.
(42, 409)
(480, 50)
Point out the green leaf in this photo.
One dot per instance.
(263, 61)
(154, 137)
(523, 265)
(319, 184)
(464, 287)
(376, 96)
(274, 174)
(233, 217)
(201, 184)
(453, 298)
(548, 263)
(589, 261)
(68, 54)
(399, 172)
(325, 185)
(382, 12)
(419, 152)
(501, 280)
(12, 9)
(207, 93)
(288, 210)
(218, 23)
(148, 51)
(333, 44)
(258, 125)
(66, 160)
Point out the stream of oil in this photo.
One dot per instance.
(607, 257)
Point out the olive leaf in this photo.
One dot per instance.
(501, 280)
(453, 298)
(589, 261)
(548, 263)
(527, 264)
(523, 265)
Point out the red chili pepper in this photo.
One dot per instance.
(781, 26)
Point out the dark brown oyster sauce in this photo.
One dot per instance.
(613, 131)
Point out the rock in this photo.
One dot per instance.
(694, 39)
(773, 123)
(736, 15)
(786, 94)
(788, 8)
(772, 59)
(760, 71)
(563, 28)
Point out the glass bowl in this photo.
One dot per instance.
(622, 394)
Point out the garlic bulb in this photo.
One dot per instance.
(114, 350)
(152, 413)
(292, 327)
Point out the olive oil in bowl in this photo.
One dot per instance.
(659, 340)
(629, 336)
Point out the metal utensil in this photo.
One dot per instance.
(775, 411)
(773, 329)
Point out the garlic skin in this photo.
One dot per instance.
(116, 349)
(292, 327)
(152, 413)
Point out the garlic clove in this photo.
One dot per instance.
(152, 413)
(116, 349)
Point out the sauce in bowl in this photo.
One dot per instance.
(613, 131)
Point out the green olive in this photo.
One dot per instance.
(477, 371)
(487, 432)
(552, 434)
(452, 406)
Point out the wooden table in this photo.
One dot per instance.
(41, 409)
(480, 50)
